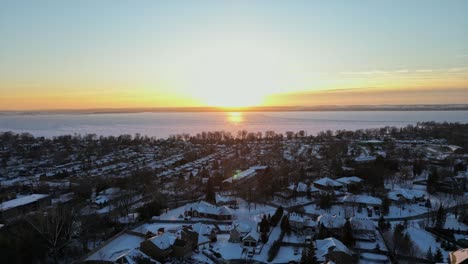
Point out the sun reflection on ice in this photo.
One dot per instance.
(235, 117)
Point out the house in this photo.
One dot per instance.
(459, 256)
(350, 182)
(105, 196)
(300, 189)
(225, 200)
(251, 239)
(361, 200)
(365, 159)
(158, 247)
(299, 222)
(401, 196)
(327, 184)
(191, 237)
(246, 175)
(331, 249)
(206, 234)
(331, 222)
(166, 245)
(240, 230)
(296, 221)
(121, 248)
(203, 209)
(363, 229)
(24, 205)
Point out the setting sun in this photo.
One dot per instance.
(234, 71)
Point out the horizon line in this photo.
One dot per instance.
(298, 108)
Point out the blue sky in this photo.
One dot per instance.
(133, 53)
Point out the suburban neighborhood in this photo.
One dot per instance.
(387, 195)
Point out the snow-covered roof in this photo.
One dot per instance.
(253, 234)
(252, 171)
(163, 241)
(242, 227)
(204, 207)
(295, 217)
(21, 201)
(365, 158)
(328, 182)
(372, 141)
(202, 229)
(362, 224)
(134, 254)
(348, 180)
(117, 247)
(331, 221)
(405, 193)
(224, 199)
(302, 187)
(363, 199)
(330, 244)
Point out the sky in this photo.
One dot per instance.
(120, 54)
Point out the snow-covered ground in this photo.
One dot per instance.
(287, 254)
(423, 239)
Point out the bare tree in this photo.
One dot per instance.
(56, 226)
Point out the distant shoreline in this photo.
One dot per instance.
(450, 107)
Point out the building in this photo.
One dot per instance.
(226, 200)
(327, 184)
(362, 200)
(244, 176)
(122, 248)
(363, 229)
(251, 239)
(299, 222)
(459, 256)
(23, 205)
(240, 230)
(331, 222)
(203, 209)
(331, 249)
(301, 189)
(402, 196)
(206, 233)
(166, 245)
(350, 182)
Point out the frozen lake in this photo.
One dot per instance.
(164, 124)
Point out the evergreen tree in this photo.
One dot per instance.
(398, 236)
(308, 193)
(432, 181)
(210, 194)
(285, 227)
(438, 255)
(385, 206)
(348, 238)
(277, 216)
(382, 224)
(308, 254)
(429, 255)
(441, 217)
(264, 225)
(322, 232)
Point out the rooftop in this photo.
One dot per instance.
(21, 201)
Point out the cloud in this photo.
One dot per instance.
(374, 96)
(458, 69)
(399, 71)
